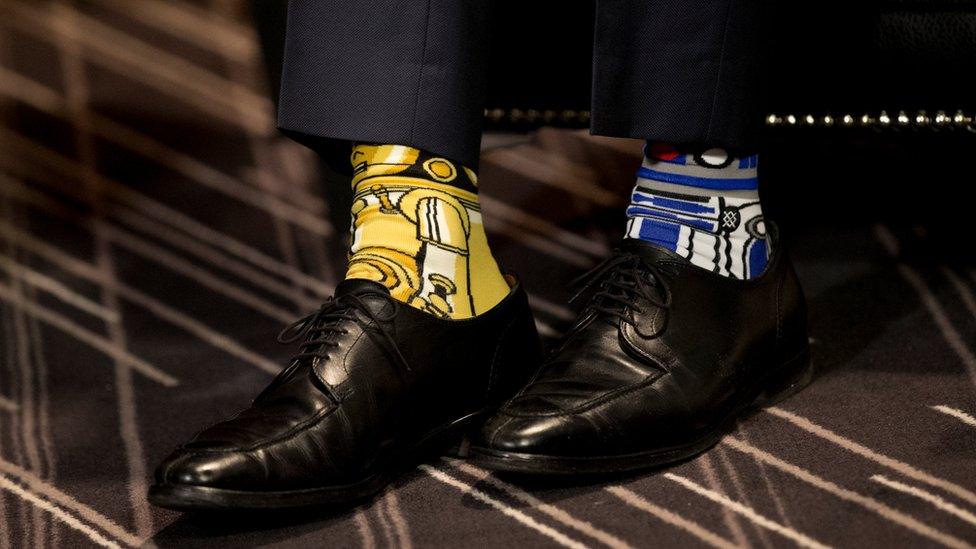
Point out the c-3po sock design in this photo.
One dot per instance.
(703, 206)
(417, 229)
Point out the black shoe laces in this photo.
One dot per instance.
(617, 287)
(316, 329)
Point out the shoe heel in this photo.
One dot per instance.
(457, 443)
(461, 448)
(789, 379)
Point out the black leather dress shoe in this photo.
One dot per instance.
(663, 359)
(377, 386)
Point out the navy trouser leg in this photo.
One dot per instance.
(409, 72)
(681, 71)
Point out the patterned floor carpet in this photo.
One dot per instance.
(155, 234)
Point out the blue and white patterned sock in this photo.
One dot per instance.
(703, 206)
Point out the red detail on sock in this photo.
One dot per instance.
(662, 151)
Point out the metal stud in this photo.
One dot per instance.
(495, 114)
(960, 119)
(919, 119)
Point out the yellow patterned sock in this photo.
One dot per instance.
(416, 228)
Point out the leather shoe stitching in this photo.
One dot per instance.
(492, 371)
(499, 429)
(589, 404)
(265, 442)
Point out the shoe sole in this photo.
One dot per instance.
(184, 497)
(204, 498)
(787, 380)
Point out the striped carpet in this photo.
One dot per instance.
(155, 233)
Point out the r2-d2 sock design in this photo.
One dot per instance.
(703, 206)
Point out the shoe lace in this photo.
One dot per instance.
(617, 286)
(316, 329)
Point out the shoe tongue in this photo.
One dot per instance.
(357, 286)
(649, 252)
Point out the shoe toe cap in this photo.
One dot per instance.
(538, 435)
(210, 469)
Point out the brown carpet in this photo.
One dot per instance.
(155, 234)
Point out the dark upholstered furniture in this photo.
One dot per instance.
(877, 63)
(871, 61)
